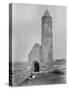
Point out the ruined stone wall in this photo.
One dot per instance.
(35, 55)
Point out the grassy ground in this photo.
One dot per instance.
(42, 79)
(57, 76)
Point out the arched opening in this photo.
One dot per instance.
(36, 67)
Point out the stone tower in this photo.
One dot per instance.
(46, 40)
(41, 56)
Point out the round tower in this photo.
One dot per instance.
(46, 40)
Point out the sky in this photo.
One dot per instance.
(26, 29)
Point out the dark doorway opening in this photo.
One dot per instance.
(36, 67)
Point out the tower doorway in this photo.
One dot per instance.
(36, 66)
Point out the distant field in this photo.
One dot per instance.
(19, 66)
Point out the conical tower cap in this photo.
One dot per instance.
(47, 13)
